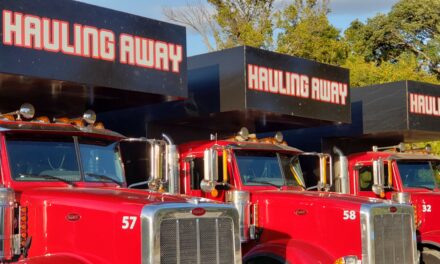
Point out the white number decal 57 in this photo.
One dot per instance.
(426, 208)
(349, 215)
(128, 222)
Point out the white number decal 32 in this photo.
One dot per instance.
(349, 215)
(426, 208)
(128, 222)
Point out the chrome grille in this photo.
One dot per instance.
(388, 234)
(393, 238)
(197, 240)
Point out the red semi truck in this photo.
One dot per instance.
(281, 222)
(408, 176)
(370, 162)
(64, 200)
(63, 193)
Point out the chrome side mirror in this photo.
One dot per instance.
(378, 178)
(210, 170)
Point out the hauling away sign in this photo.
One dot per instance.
(92, 45)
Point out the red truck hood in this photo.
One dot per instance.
(314, 217)
(109, 195)
(92, 223)
(332, 198)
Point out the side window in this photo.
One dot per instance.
(436, 167)
(366, 180)
(196, 170)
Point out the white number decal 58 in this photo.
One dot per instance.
(426, 208)
(128, 222)
(349, 215)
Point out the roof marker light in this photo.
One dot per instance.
(26, 110)
(89, 117)
(279, 137)
(243, 134)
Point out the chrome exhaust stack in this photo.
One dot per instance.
(342, 181)
(172, 166)
(7, 248)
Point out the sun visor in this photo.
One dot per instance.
(58, 52)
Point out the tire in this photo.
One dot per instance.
(430, 256)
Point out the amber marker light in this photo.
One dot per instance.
(42, 119)
(214, 193)
(99, 125)
(23, 225)
(62, 120)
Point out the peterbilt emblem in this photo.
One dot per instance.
(301, 212)
(198, 211)
(73, 217)
(393, 209)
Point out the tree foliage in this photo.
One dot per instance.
(243, 22)
(363, 73)
(306, 32)
(229, 23)
(411, 27)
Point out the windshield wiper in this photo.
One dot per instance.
(265, 182)
(104, 177)
(46, 176)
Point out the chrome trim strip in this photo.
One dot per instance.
(217, 243)
(153, 214)
(177, 240)
(198, 240)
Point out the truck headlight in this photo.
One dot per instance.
(348, 260)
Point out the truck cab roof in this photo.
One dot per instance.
(392, 155)
(35, 126)
(203, 144)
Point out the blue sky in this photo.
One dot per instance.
(343, 12)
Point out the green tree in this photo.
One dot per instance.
(411, 27)
(228, 23)
(243, 22)
(363, 73)
(306, 32)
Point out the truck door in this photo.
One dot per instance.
(195, 172)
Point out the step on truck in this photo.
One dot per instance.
(372, 161)
(64, 199)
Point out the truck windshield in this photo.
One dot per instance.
(55, 158)
(419, 174)
(100, 160)
(268, 168)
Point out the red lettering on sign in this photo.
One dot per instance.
(424, 104)
(276, 81)
(51, 35)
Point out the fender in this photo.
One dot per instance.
(64, 258)
(290, 252)
(431, 238)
